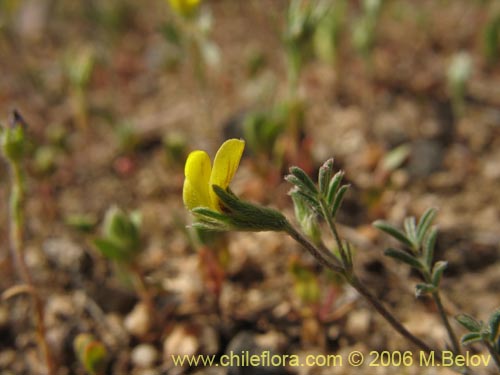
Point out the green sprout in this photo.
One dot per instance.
(364, 33)
(188, 33)
(491, 37)
(79, 66)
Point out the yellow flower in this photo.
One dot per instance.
(184, 8)
(201, 176)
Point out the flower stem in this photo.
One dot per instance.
(17, 247)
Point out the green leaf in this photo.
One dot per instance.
(423, 289)
(299, 184)
(470, 338)
(384, 226)
(425, 223)
(404, 257)
(494, 324)
(428, 247)
(305, 179)
(325, 174)
(311, 202)
(396, 157)
(437, 272)
(468, 322)
(333, 186)
(338, 199)
(411, 231)
(110, 250)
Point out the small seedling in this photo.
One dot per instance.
(491, 36)
(79, 66)
(458, 74)
(364, 33)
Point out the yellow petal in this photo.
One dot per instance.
(197, 172)
(226, 163)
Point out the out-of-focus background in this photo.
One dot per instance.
(404, 94)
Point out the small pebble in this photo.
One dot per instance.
(358, 323)
(138, 322)
(144, 355)
(180, 341)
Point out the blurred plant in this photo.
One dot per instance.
(113, 16)
(127, 137)
(321, 202)
(328, 31)
(79, 66)
(364, 33)
(305, 19)
(491, 37)
(262, 128)
(458, 74)
(175, 147)
(91, 353)
(121, 243)
(306, 283)
(189, 33)
(13, 144)
(255, 61)
(307, 289)
(312, 30)
(7, 11)
(487, 334)
(185, 8)
(83, 222)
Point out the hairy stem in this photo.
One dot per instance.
(356, 284)
(361, 289)
(17, 247)
(446, 322)
(494, 354)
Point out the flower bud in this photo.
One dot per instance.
(12, 138)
